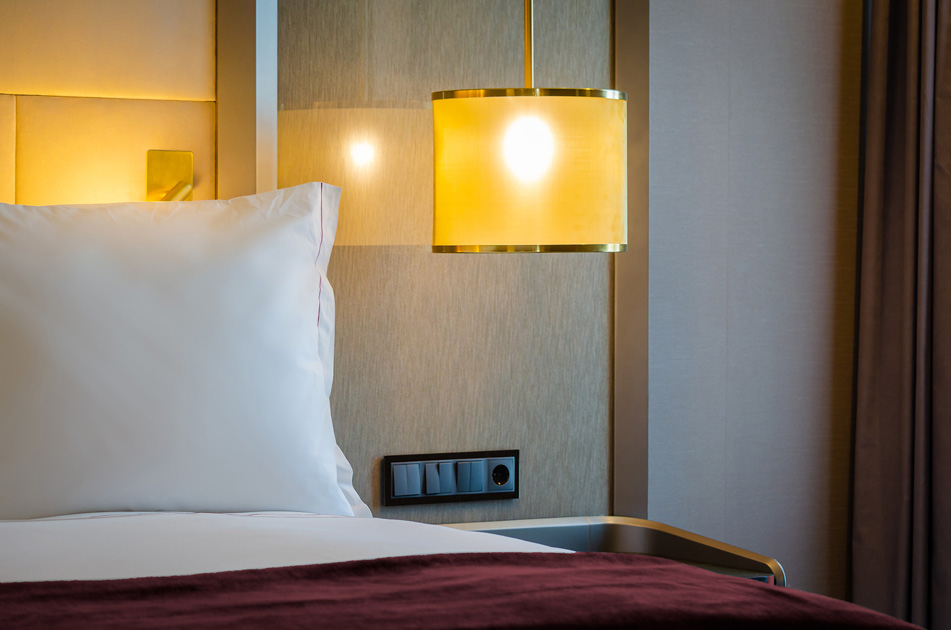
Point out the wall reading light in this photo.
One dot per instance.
(530, 169)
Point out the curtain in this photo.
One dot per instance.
(901, 500)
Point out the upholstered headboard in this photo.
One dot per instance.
(87, 88)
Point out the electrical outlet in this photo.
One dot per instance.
(501, 474)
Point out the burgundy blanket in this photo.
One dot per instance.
(504, 590)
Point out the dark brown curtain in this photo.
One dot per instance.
(901, 516)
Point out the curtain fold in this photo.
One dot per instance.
(901, 502)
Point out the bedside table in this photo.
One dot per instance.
(636, 535)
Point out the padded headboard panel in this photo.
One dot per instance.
(86, 88)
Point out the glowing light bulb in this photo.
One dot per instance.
(528, 148)
(362, 153)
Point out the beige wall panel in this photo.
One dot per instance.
(317, 145)
(580, 26)
(402, 68)
(323, 52)
(395, 51)
(87, 150)
(348, 51)
(8, 141)
(689, 200)
(758, 363)
(456, 45)
(162, 49)
(447, 352)
(440, 353)
(792, 295)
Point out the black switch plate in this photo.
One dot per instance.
(492, 489)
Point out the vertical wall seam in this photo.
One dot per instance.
(16, 146)
(214, 144)
(728, 269)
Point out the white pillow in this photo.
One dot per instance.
(167, 356)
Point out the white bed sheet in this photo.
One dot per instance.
(139, 544)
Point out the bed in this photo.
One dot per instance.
(168, 459)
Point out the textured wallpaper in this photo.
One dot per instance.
(441, 352)
(754, 120)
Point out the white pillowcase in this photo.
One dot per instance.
(167, 356)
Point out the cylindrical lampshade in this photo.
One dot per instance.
(530, 169)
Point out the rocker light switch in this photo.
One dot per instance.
(399, 480)
(412, 479)
(477, 476)
(405, 480)
(432, 479)
(445, 477)
(462, 476)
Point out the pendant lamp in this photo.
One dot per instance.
(530, 169)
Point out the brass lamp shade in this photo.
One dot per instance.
(530, 169)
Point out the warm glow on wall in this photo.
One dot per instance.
(362, 153)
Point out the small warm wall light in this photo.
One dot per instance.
(362, 153)
(530, 169)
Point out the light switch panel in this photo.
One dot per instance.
(450, 477)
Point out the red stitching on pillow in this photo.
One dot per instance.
(320, 285)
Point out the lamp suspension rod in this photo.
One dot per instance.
(529, 59)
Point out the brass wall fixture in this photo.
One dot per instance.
(169, 175)
(530, 169)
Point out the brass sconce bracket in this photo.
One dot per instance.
(169, 175)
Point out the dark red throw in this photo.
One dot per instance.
(502, 590)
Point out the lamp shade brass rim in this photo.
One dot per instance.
(539, 249)
(495, 92)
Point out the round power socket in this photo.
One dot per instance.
(501, 474)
